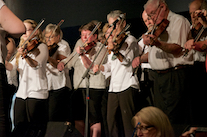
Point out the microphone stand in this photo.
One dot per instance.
(87, 76)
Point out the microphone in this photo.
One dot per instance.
(121, 16)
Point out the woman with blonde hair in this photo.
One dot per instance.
(31, 97)
(59, 84)
(152, 122)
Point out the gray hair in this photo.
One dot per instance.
(114, 14)
(154, 2)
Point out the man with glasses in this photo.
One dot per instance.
(172, 70)
(199, 73)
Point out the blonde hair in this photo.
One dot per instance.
(39, 36)
(50, 28)
(157, 118)
(105, 28)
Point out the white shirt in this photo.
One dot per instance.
(146, 50)
(33, 81)
(121, 72)
(176, 33)
(57, 79)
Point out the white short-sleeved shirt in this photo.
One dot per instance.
(176, 33)
(57, 79)
(121, 72)
(33, 81)
(146, 50)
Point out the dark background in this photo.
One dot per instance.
(78, 12)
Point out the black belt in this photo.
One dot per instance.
(172, 69)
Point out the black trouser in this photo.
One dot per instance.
(199, 95)
(4, 110)
(125, 104)
(96, 104)
(30, 110)
(172, 94)
(95, 114)
(59, 104)
(146, 85)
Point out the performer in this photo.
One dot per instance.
(123, 97)
(199, 71)
(172, 72)
(97, 82)
(14, 26)
(146, 78)
(59, 84)
(31, 97)
(11, 76)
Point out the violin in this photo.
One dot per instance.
(198, 31)
(117, 46)
(52, 49)
(159, 29)
(89, 46)
(118, 41)
(84, 45)
(30, 46)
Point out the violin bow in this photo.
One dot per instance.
(195, 40)
(152, 31)
(92, 32)
(155, 25)
(58, 25)
(124, 30)
(37, 27)
(122, 20)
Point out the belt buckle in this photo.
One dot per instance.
(176, 67)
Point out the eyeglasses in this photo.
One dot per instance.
(50, 37)
(153, 12)
(143, 129)
(30, 29)
(85, 35)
